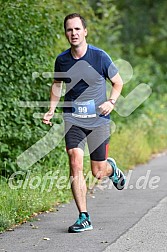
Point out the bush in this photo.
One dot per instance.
(136, 138)
(27, 46)
(31, 37)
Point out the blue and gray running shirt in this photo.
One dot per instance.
(85, 80)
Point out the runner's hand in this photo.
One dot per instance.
(47, 117)
(106, 108)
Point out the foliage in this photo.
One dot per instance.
(143, 38)
(32, 35)
(17, 205)
(136, 138)
(25, 48)
(107, 29)
(36, 191)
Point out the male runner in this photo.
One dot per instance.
(87, 117)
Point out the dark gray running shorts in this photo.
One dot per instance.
(96, 138)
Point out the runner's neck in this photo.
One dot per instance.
(79, 52)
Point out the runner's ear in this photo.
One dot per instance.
(86, 32)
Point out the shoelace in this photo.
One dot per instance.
(118, 173)
(80, 219)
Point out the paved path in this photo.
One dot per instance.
(149, 234)
(134, 219)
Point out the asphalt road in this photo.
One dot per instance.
(134, 219)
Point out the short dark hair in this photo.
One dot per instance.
(74, 15)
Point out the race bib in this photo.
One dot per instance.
(85, 109)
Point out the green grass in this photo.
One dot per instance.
(129, 148)
(18, 204)
(131, 144)
(134, 141)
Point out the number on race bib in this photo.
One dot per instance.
(82, 109)
(85, 109)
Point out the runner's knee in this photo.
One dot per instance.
(75, 166)
(76, 163)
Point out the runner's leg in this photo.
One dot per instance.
(75, 139)
(98, 143)
(78, 184)
(101, 169)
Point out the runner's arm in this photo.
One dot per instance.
(117, 84)
(55, 95)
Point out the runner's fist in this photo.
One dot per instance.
(106, 108)
(47, 117)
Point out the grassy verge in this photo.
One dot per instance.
(135, 141)
(36, 191)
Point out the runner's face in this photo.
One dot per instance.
(75, 32)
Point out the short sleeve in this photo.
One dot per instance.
(108, 68)
(56, 69)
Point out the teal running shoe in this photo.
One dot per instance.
(117, 177)
(83, 223)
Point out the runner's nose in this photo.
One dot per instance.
(73, 32)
